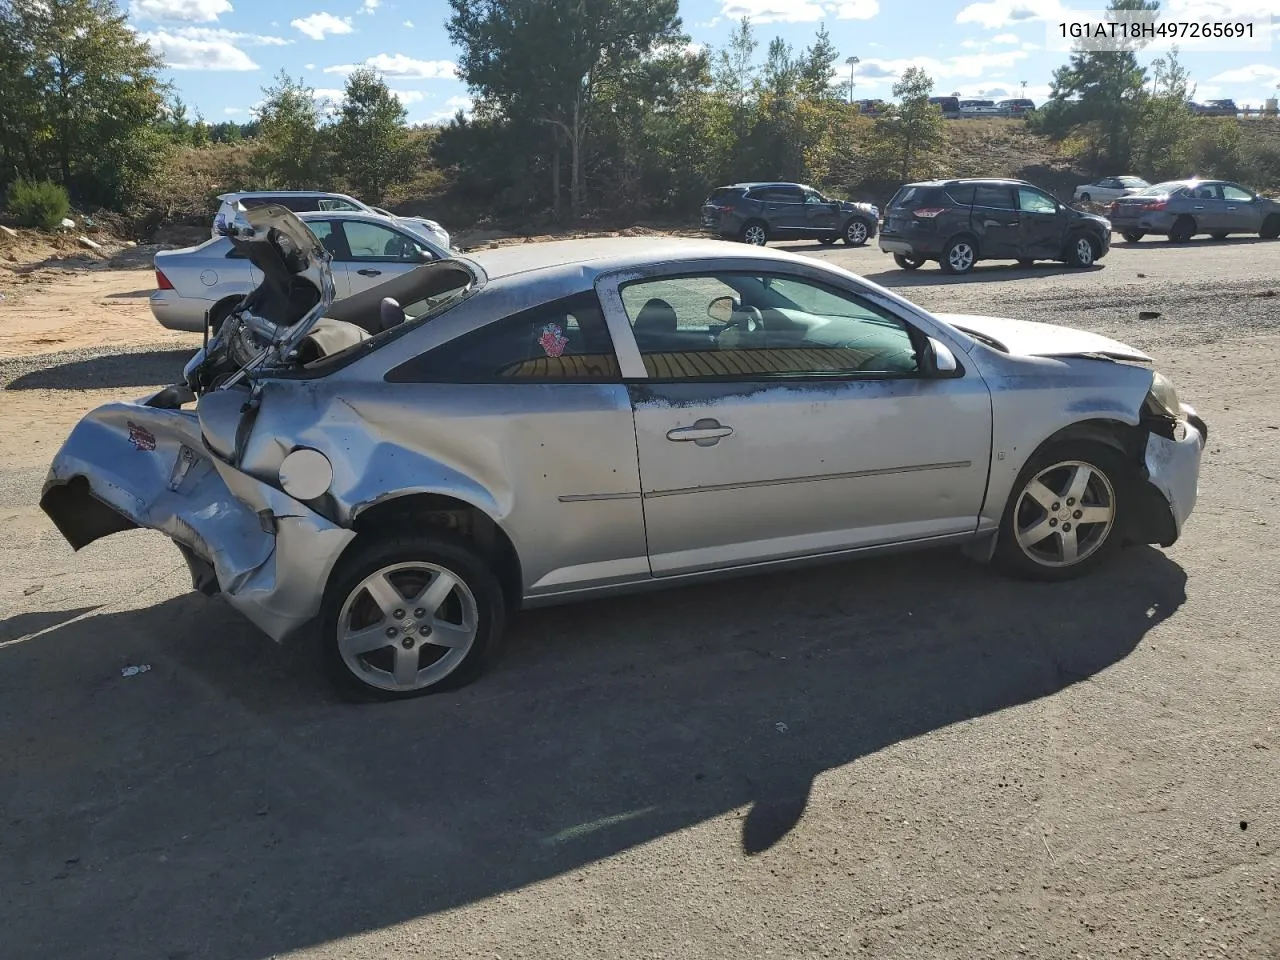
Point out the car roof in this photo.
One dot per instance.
(995, 181)
(236, 194)
(604, 254)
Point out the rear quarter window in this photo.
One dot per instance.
(961, 194)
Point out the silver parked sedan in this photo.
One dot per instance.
(213, 277)
(1182, 209)
(551, 422)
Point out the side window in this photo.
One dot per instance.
(562, 342)
(1207, 191)
(994, 197)
(369, 241)
(737, 326)
(779, 195)
(811, 196)
(1231, 192)
(1033, 201)
(1109, 183)
(961, 194)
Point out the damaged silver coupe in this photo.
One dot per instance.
(401, 469)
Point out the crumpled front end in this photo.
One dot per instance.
(1173, 466)
(127, 465)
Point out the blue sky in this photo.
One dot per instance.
(220, 53)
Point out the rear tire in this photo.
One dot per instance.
(1034, 541)
(755, 233)
(366, 644)
(828, 241)
(959, 256)
(1133, 236)
(1270, 227)
(908, 263)
(1086, 198)
(1183, 229)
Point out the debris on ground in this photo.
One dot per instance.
(133, 671)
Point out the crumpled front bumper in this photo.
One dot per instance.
(1173, 468)
(127, 465)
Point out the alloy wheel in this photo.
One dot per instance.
(960, 257)
(856, 234)
(1084, 252)
(1065, 514)
(407, 626)
(755, 235)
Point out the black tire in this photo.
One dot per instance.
(1032, 564)
(856, 232)
(1183, 229)
(953, 262)
(1270, 227)
(1025, 262)
(754, 232)
(1220, 235)
(908, 263)
(828, 241)
(1082, 250)
(1085, 198)
(1133, 236)
(441, 550)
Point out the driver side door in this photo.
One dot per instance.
(806, 427)
(821, 216)
(1042, 224)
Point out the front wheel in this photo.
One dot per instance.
(1085, 197)
(1133, 236)
(856, 233)
(1026, 262)
(1082, 251)
(1270, 227)
(959, 256)
(828, 241)
(1063, 517)
(908, 263)
(410, 615)
(1184, 228)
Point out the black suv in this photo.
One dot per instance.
(759, 212)
(959, 222)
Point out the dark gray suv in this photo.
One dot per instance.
(759, 212)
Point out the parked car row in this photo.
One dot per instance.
(953, 108)
(401, 469)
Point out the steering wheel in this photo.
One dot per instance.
(747, 319)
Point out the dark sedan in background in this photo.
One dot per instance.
(756, 213)
(1182, 209)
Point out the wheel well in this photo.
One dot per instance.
(1124, 438)
(964, 235)
(461, 518)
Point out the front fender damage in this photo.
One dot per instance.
(126, 465)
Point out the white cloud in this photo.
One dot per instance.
(407, 97)
(1005, 38)
(309, 66)
(1254, 73)
(184, 53)
(401, 66)
(994, 14)
(218, 35)
(318, 25)
(233, 111)
(451, 107)
(408, 24)
(1031, 46)
(188, 11)
(800, 11)
(368, 6)
(968, 65)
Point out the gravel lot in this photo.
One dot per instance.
(908, 758)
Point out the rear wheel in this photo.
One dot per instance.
(1270, 227)
(828, 241)
(410, 615)
(1184, 228)
(1133, 236)
(754, 233)
(1082, 251)
(1085, 197)
(959, 256)
(1064, 516)
(856, 232)
(908, 263)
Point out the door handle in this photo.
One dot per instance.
(705, 433)
(369, 273)
(1201, 207)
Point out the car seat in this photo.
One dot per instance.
(655, 326)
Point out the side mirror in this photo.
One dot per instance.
(940, 362)
(722, 309)
(425, 256)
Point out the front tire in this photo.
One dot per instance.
(959, 256)
(1065, 514)
(1270, 227)
(1085, 197)
(755, 233)
(828, 241)
(908, 263)
(1082, 251)
(856, 233)
(1133, 236)
(409, 615)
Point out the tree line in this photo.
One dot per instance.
(581, 108)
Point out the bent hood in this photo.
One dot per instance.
(1030, 339)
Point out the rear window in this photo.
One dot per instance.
(724, 193)
(912, 197)
(1160, 189)
(961, 193)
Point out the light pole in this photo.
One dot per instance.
(851, 62)
(1024, 89)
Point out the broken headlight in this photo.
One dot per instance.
(1163, 410)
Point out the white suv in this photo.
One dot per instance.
(307, 201)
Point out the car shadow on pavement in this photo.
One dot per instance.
(226, 798)
(142, 369)
(930, 276)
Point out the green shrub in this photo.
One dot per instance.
(37, 204)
